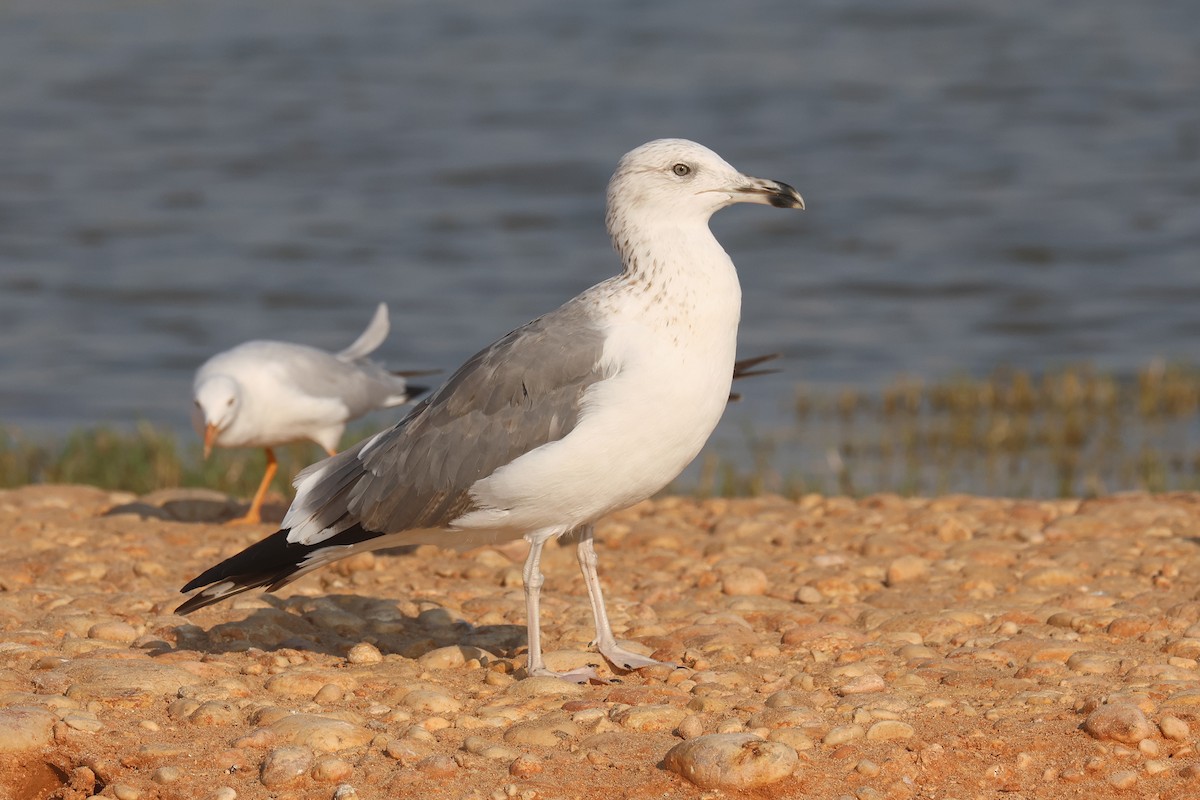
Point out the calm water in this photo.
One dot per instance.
(988, 182)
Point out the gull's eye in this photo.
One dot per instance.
(229, 402)
(682, 170)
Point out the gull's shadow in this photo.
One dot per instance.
(200, 506)
(332, 624)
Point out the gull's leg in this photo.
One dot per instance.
(254, 515)
(606, 643)
(533, 578)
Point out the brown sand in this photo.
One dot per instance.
(900, 648)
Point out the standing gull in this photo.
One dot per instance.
(586, 410)
(264, 394)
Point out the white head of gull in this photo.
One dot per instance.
(586, 410)
(265, 393)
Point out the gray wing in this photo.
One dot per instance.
(362, 385)
(520, 393)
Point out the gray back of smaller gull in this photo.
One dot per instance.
(588, 409)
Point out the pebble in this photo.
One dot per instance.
(82, 721)
(844, 733)
(329, 693)
(25, 728)
(552, 730)
(166, 775)
(1118, 722)
(889, 729)
(863, 684)
(454, 657)
(428, 701)
(221, 793)
(907, 569)
(323, 734)
(1124, 779)
(731, 761)
(307, 681)
(690, 727)
(113, 631)
(1174, 728)
(364, 653)
(650, 718)
(745, 581)
(525, 766)
(285, 765)
(332, 770)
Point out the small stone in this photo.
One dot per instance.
(809, 595)
(651, 718)
(214, 713)
(329, 693)
(323, 734)
(455, 656)
(166, 775)
(25, 728)
(867, 768)
(113, 631)
(731, 761)
(1118, 722)
(429, 701)
(221, 793)
(690, 727)
(438, 766)
(750, 581)
(1125, 779)
(345, 792)
(82, 722)
(525, 766)
(332, 770)
(844, 733)
(364, 653)
(889, 729)
(541, 685)
(285, 765)
(863, 684)
(1173, 728)
(406, 751)
(907, 569)
(123, 791)
(552, 730)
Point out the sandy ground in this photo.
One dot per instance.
(878, 648)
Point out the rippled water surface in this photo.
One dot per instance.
(988, 183)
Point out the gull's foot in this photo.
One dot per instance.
(248, 518)
(628, 660)
(577, 675)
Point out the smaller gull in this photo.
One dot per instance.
(265, 394)
(589, 409)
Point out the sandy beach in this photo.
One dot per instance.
(883, 647)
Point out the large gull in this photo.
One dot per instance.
(586, 410)
(266, 393)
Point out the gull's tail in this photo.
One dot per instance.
(273, 562)
(370, 339)
(746, 369)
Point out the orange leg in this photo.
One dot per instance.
(254, 515)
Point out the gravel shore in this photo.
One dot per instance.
(887, 647)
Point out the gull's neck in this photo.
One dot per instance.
(660, 249)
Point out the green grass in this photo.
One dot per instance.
(1072, 432)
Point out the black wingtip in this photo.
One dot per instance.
(271, 562)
